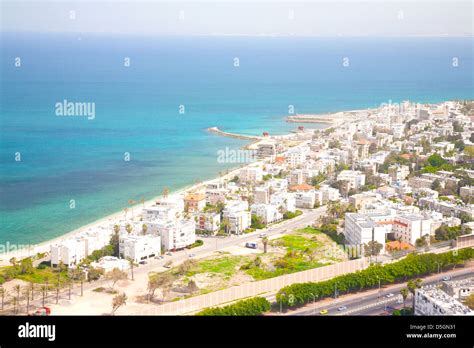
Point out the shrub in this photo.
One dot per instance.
(251, 307)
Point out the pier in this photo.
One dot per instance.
(218, 131)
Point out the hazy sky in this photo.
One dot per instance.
(245, 17)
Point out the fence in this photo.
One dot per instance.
(253, 289)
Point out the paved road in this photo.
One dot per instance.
(374, 302)
(213, 244)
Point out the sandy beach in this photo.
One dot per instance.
(109, 220)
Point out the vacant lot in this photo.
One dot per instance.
(295, 251)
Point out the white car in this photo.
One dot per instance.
(342, 308)
(261, 235)
(389, 295)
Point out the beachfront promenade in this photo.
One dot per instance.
(259, 288)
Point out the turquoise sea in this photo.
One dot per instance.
(137, 109)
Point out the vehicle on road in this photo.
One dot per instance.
(341, 308)
(251, 245)
(192, 255)
(323, 311)
(143, 262)
(261, 235)
(446, 278)
(389, 295)
(169, 254)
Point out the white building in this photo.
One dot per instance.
(329, 194)
(161, 212)
(177, 235)
(409, 228)
(70, 252)
(354, 178)
(305, 200)
(297, 156)
(251, 174)
(267, 212)
(109, 263)
(209, 222)
(139, 248)
(238, 221)
(262, 195)
(360, 229)
(434, 301)
(284, 200)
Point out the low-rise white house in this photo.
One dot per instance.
(139, 248)
(108, 263)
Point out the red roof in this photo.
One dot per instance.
(302, 187)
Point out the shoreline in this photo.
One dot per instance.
(29, 250)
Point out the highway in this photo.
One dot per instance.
(374, 302)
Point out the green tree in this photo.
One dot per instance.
(132, 264)
(412, 285)
(436, 160)
(404, 292)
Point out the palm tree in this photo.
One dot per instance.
(412, 285)
(131, 202)
(15, 303)
(404, 292)
(26, 291)
(144, 228)
(32, 289)
(116, 229)
(17, 288)
(226, 224)
(44, 291)
(129, 228)
(2, 295)
(265, 243)
(132, 264)
(118, 301)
